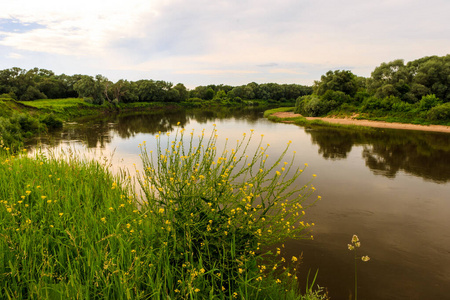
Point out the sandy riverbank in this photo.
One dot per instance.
(377, 124)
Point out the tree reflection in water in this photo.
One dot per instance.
(387, 152)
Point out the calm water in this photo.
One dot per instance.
(391, 188)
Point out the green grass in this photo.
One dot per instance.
(302, 121)
(72, 230)
(57, 104)
(280, 109)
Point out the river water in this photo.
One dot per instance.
(390, 187)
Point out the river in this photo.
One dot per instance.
(390, 187)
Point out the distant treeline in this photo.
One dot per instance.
(38, 83)
(417, 90)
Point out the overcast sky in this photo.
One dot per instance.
(200, 42)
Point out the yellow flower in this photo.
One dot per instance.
(61, 214)
(365, 258)
(294, 259)
(161, 210)
(103, 220)
(28, 192)
(197, 290)
(278, 281)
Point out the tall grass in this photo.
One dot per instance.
(72, 230)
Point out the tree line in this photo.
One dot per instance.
(419, 88)
(27, 85)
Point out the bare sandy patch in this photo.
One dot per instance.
(368, 123)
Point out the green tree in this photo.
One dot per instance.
(339, 80)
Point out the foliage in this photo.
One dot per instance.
(440, 112)
(16, 128)
(428, 102)
(314, 106)
(219, 208)
(71, 230)
(342, 81)
(51, 121)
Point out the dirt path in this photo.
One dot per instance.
(378, 124)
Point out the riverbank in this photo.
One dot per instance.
(290, 117)
(184, 241)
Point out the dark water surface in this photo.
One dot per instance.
(390, 187)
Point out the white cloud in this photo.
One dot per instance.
(15, 56)
(227, 40)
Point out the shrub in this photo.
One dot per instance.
(218, 209)
(440, 112)
(374, 103)
(337, 96)
(51, 121)
(96, 101)
(429, 101)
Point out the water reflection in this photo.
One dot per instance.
(387, 152)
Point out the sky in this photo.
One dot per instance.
(200, 42)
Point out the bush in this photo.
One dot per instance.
(440, 112)
(96, 101)
(374, 103)
(51, 121)
(218, 209)
(337, 96)
(15, 129)
(429, 101)
(402, 106)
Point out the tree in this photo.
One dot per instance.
(96, 88)
(343, 81)
(391, 79)
(183, 93)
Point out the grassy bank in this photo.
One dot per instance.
(302, 121)
(72, 230)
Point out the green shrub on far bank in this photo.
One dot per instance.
(440, 112)
(428, 109)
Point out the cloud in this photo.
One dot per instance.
(227, 40)
(15, 55)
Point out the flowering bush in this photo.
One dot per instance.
(217, 209)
